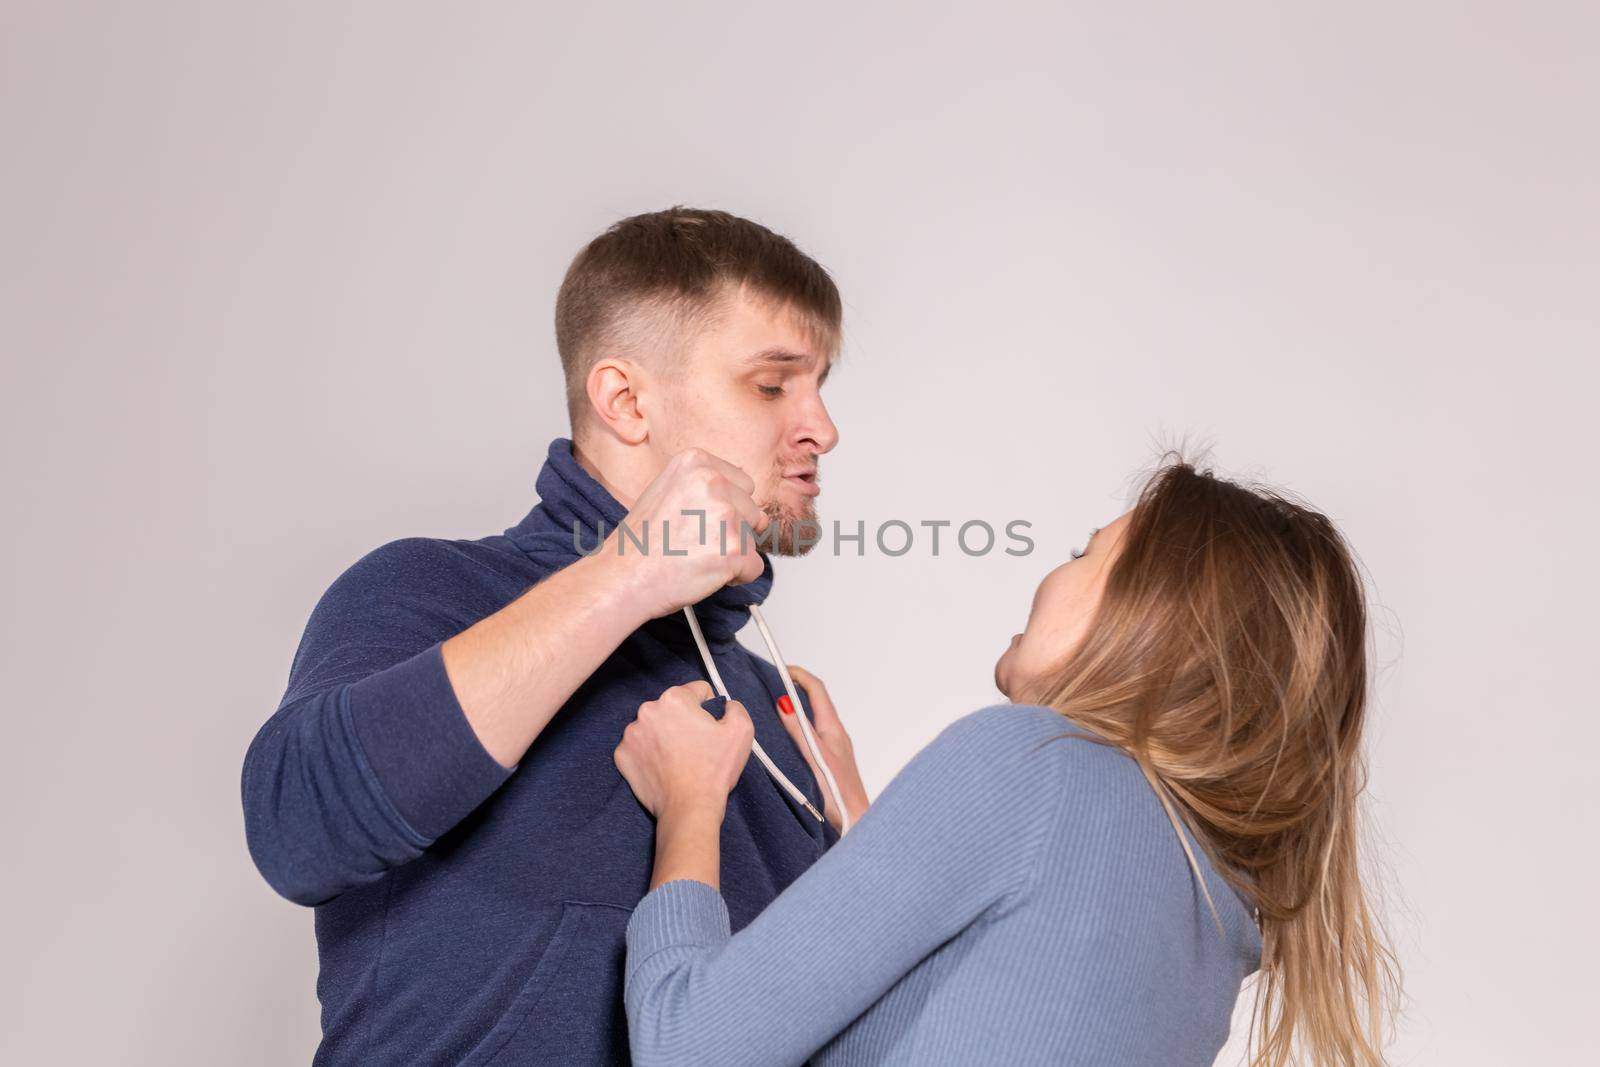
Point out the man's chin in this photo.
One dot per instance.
(798, 533)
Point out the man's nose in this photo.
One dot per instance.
(817, 428)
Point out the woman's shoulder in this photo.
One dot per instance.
(1115, 812)
(1023, 750)
(1025, 729)
(1014, 720)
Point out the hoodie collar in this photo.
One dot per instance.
(570, 498)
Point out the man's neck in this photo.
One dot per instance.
(617, 468)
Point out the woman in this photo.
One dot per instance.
(1085, 875)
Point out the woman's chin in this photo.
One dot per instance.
(1000, 678)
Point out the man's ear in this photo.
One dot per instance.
(614, 385)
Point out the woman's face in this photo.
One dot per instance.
(1062, 607)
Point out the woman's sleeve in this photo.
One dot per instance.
(953, 837)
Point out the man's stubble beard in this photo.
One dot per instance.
(790, 523)
(788, 541)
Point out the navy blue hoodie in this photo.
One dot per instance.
(466, 913)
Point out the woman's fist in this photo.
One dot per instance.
(676, 755)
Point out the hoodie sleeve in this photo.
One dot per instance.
(954, 837)
(369, 757)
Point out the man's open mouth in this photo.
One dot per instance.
(804, 480)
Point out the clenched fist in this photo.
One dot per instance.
(677, 757)
(686, 536)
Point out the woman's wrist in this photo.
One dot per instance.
(694, 809)
(688, 841)
(857, 803)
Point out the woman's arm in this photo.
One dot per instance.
(681, 764)
(689, 831)
(689, 844)
(953, 837)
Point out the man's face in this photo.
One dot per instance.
(748, 390)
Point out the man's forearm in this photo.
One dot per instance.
(513, 670)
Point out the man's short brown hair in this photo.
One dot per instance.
(653, 280)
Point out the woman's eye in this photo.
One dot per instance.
(771, 390)
(1077, 553)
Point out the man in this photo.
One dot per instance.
(438, 779)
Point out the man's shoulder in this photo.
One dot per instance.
(433, 575)
(411, 556)
(420, 560)
(397, 600)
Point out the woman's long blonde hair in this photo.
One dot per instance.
(1228, 657)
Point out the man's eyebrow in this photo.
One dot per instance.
(781, 356)
(786, 357)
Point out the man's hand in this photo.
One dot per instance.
(691, 521)
(835, 744)
(514, 669)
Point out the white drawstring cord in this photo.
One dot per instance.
(755, 746)
(799, 712)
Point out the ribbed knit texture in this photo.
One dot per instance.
(1016, 896)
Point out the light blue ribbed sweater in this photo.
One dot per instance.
(1016, 896)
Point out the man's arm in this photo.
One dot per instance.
(514, 670)
(392, 733)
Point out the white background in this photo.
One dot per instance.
(276, 286)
